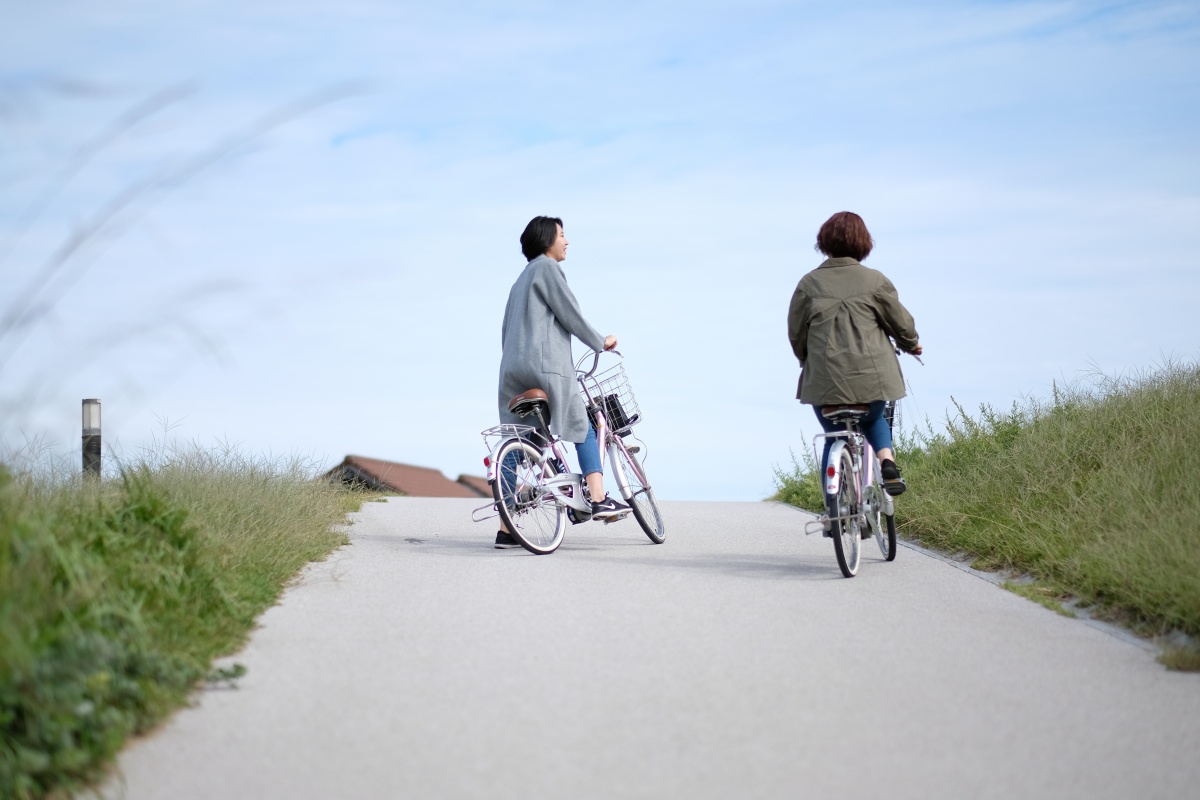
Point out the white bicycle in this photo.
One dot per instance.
(536, 494)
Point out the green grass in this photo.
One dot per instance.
(1185, 658)
(801, 487)
(116, 596)
(1041, 594)
(1092, 493)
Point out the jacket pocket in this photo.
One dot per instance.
(556, 366)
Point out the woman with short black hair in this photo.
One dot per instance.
(540, 235)
(842, 321)
(539, 320)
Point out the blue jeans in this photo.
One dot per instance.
(874, 426)
(589, 453)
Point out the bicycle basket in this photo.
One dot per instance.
(620, 406)
(891, 412)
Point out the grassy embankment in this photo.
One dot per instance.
(1093, 495)
(116, 596)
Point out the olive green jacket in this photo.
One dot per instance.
(841, 316)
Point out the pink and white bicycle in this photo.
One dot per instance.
(534, 491)
(856, 506)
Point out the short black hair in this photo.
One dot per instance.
(539, 235)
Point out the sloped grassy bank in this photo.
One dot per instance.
(1095, 493)
(115, 598)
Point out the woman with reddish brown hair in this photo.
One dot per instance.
(842, 323)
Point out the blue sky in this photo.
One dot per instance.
(1029, 170)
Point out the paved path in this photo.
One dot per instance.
(732, 661)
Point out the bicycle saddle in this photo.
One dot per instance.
(845, 411)
(525, 403)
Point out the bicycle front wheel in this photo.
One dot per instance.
(882, 525)
(843, 519)
(527, 507)
(890, 524)
(635, 489)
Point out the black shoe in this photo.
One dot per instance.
(893, 484)
(609, 509)
(505, 541)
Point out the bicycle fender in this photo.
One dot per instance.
(832, 479)
(492, 462)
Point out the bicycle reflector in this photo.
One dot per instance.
(487, 461)
(830, 471)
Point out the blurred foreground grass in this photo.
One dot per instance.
(1093, 494)
(115, 596)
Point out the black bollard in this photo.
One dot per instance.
(91, 438)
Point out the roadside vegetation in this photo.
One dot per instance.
(116, 595)
(1092, 494)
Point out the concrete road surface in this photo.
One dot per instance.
(732, 661)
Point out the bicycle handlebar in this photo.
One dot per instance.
(595, 362)
(899, 351)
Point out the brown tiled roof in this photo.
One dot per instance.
(403, 478)
(478, 484)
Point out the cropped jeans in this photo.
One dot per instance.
(589, 453)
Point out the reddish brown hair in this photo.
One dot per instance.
(845, 235)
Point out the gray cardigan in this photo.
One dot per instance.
(539, 320)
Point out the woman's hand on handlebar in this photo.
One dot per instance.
(610, 346)
(915, 353)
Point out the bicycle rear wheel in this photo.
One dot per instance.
(843, 519)
(526, 506)
(635, 489)
(882, 525)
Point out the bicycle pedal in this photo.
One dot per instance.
(611, 520)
